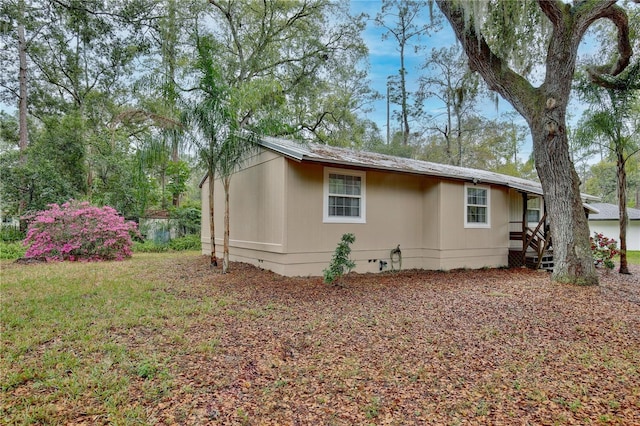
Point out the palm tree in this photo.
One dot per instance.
(210, 119)
(220, 143)
(233, 152)
(611, 119)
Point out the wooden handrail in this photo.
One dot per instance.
(537, 237)
(535, 232)
(541, 253)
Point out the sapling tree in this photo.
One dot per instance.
(611, 122)
(340, 264)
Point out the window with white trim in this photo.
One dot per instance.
(344, 196)
(533, 210)
(476, 206)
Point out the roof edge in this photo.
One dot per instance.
(291, 153)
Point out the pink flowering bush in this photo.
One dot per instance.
(79, 232)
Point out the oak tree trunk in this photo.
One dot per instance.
(573, 260)
(544, 107)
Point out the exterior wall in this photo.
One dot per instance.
(611, 229)
(393, 216)
(277, 221)
(257, 200)
(472, 247)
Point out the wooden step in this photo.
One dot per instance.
(531, 260)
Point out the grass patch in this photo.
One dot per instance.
(633, 257)
(78, 340)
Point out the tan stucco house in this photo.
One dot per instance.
(290, 204)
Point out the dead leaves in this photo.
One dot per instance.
(466, 347)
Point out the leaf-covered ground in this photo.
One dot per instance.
(499, 347)
(464, 347)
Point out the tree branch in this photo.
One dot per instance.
(619, 18)
(495, 71)
(234, 32)
(553, 10)
(617, 15)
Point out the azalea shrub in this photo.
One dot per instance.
(78, 231)
(604, 249)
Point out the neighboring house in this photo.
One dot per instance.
(290, 204)
(606, 221)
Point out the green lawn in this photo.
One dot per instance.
(67, 331)
(633, 257)
(162, 339)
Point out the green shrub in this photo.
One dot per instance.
(149, 246)
(12, 250)
(188, 242)
(340, 262)
(185, 220)
(10, 234)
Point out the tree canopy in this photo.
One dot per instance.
(107, 81)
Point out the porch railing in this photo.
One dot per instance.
(535, 242)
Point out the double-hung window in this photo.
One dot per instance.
(533, 211)
(344, 196)
(476, 205)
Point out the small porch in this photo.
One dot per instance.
(529, 237)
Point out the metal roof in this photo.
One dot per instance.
(608, 211)
(369, 160)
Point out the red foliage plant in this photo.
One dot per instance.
(604, 249)
(78, 231)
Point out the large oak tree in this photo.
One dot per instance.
(544, 106)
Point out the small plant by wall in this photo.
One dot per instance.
(340, 262)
